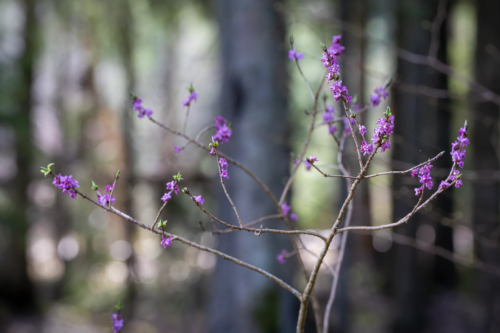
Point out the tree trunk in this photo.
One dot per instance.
(254, 100)
(484, 132)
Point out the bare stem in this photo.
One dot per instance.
(225, 190)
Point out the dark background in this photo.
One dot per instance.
(66, 68)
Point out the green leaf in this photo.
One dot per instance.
(94, 186)
(117, 174)
(191, 88)
(119, 305)
(178, 177)
(46, 170)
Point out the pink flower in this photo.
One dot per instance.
(419, 190)
(137, 106)
(166, 241)
(281, 256)
(331, 129)
(166, 196)
(362, 129)
(223, 174)
(177, 150)
(172, 186)
(285, 208)
(192, 97)
(105, 199)
(199, 199)
(312, 159)
(443, 185)
(66, 184)
(366, 148)
(292, 54)
(108, 188)
(294, 217)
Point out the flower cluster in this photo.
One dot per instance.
(171, 187)
(166, 241)
(117, 322)
(223, 167)
(281, 257)
(294, 55)
(455, 174)
(457, 154)
(198, 199)
(223, 129)
(137, 106)
(328, 118)
(285, 208)
(376, 97)
(106, 199)
(66, 184)
(192, 97)
(424, 173)
(330, 61)
(381, 134)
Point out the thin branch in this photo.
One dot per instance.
(249, 224)
(117, 175)
(346, 109)
(225, 190)
(331, 176)
(436, 28)
(195, 245)
(257, 230)
(406, 171)
(186, 120)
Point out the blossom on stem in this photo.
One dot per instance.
(294, 55)
(312, 159)
(281, 257)
(331, 129)
(172, 186)
(384, 130)
(362, 129)
(177, 150)
(457, 154)
(66, 184)
(294, 217)
(108, 188)
(192, 97)
(223, 129)
(137, 106)
(376, 97)
(117, 322)
(419, 190)
(339, 91)
(307, 165)
(285, 208)
(166, 196)
(443, 185)
(328, 114)
(223, 165)
(366, 148)
(105, 199)
(166, 241)
(199, 199)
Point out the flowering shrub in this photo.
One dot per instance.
(380, 142)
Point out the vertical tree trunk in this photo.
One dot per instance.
(484, 131)
(254, 100)
(16, 289)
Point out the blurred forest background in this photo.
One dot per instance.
(66, 69)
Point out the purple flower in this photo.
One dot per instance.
(212, 152)
(223, 174)
(339, 91)
(105, 199)
(455, 145)
(199, 199)
(108, 188)
(166, 196)
(66, 184)
(383, 132)
(172, 186)
(336, 48)
(443, 185)
(296, 161)
(366, 148)
(137, 106)
(414, 172)
(285, 208)
(375, 99)
(419, 190)
(223, 134)
(192, 97)
(462, 131)
(166, 241)
(292, 54)
(308, 165)
(458, 183)
(177, 150)
(117, 322)
(294, 217)
(362, 129)
(327, 116)
(281, 256)
(425, 176)
(331, 129)
(223, 163)
(457, 154)
(312, 159)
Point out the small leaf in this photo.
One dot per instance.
(94, 186)
(46, 170)
(119, 305)
(117, 174)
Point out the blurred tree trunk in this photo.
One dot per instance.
(254, 100)
(484, 139)
(16, 290)
(410, 132)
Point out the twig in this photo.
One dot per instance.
(186, 120)
(225, 190)
(406, 171)
(249, 224)
(195, 245)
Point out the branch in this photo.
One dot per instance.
(249, 224)
(225, 190)
(195, 245)
(406, 171)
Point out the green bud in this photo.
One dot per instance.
(46, 170)
(94, 186)
(133, 95)
(388, 112)
(117, 174)
(292, 40)
(352, 114)
(178, 177)
(191, 88)
(119, 305)
(162, 223)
